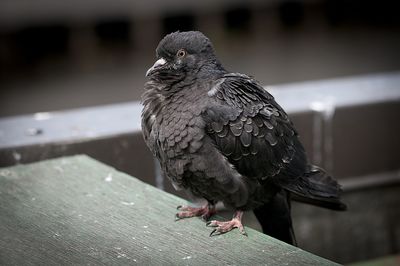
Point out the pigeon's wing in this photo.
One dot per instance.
(256, 136)
(251, 130)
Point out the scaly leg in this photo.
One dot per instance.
(205, 211)
(224, 227)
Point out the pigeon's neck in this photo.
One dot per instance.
(211, 70)
(206, 73)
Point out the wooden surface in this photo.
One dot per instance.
(75, 210)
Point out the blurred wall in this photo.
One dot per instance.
(59, 55)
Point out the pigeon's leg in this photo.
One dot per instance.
(205, 211)
(224, 227)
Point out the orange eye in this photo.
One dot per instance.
(181, 53)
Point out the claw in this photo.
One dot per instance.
(177, 218)
(204, 218)
(213, 231)
(178, 207)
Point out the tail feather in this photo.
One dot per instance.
(275, 218)
(316, 187)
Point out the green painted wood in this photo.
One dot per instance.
(76, 210)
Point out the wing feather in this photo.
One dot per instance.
(251, 129)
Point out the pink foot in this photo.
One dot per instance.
(224, 227)
(205, 212)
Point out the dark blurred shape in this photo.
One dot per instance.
(32, 131)
(114, 32)
(363, 12)
(335, 11)
(238, 19)
(179, 22)
(49, 50)
(36, 43)
(291, 13)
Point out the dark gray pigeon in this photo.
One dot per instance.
(222, 137)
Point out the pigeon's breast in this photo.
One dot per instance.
(177, 131)
(182, 128)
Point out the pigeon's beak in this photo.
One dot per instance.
(159, 63)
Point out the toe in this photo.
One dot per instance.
(184, 214)
(212, 223)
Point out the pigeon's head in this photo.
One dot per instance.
(182, 53)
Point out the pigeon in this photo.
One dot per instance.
(222, 137)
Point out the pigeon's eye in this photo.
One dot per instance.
(181, 53)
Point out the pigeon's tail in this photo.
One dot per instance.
(275, 219)
(318, 188)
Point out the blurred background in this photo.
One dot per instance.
(64, 54)
(58, 55)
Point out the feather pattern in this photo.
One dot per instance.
(222, 137)
(261, 142)
(259, 138)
